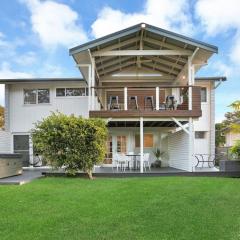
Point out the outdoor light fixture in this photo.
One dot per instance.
(143, 25)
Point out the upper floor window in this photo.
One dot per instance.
(36, 96)
(71, 92)
(203, 94)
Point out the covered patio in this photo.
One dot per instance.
(132, 144)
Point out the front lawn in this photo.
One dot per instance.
(130, 208)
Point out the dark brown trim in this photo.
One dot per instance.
(139, 113)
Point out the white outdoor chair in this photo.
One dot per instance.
(130, 160)
(121, 161)
(146, 161)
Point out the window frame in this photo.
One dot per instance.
(144, 140)
(199, 136)
(206, 91)
(37, 90)
(65, 92)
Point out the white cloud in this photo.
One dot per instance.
(218, 16)
(55, 23)
(161, 13)
(221, 68)
(26, 59)
(7, 72)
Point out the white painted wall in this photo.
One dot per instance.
(206, 122)
(23, 117)
(178, 150)
(5, 142)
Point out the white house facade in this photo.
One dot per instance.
(141, 81)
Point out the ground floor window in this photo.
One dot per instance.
(147, 141)
(200, 134)
(121, 144)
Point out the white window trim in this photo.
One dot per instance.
(69, 96)
(206, 96)
(37, 103)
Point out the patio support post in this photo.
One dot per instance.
(89, 82)
(89, 87)
(125, 99)
(191, 144)
(93, 83)
(190, 83)
(141, 144)
(157, 98)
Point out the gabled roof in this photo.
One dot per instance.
(109, 56)
(149, 28)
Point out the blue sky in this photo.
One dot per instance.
(35, 35)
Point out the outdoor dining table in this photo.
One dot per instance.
(134, 158)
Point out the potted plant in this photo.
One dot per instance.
(158, 154)
(232, 166)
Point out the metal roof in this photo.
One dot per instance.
(26, 80)
(220, 78)
(149, 28)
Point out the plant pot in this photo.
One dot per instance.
(157, 164)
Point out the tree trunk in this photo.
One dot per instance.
(89, 172)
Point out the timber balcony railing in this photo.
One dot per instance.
(162, 101)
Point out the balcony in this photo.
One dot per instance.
(144, 101)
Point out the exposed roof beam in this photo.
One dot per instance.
(142, 53)
(161, 68)
(160, 60)
(111, 69)
(163, 44)
(183, 60)
(118, 45)
(111, 63)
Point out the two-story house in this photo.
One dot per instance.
(141, 80)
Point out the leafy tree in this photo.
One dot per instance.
(235, 125)
(73, 142)
(219, 138)
(235, 150)
(1, 116)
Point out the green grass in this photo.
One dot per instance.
(130, 208)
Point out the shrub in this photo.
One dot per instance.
(70, 141)
(235, 150)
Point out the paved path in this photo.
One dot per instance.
(26, 177)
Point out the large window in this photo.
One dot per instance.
(36, 96)
(71, 92)
(203, 94)
(121, 144)
(147, 141)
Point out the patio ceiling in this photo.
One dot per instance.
(142, 48)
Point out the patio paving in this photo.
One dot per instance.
(26, 177)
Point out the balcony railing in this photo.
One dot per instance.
(150, 101)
